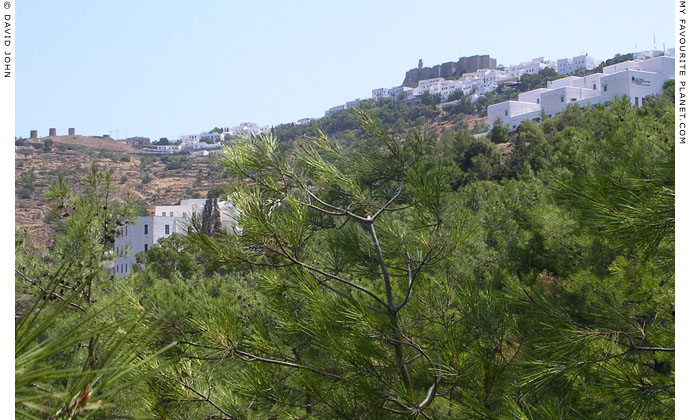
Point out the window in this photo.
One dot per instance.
(167, 229)
(562, 98)
(606, 87)
(146, 229)
(506, 112)
(594, 86)
(163, 214)
(146, 247)
(538, 99)
(637, 101)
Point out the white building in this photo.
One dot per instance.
(245, 129)
(198, 145)
(645, 55)
(481, 82)
(214, 137)
(571, 65)
(634, 79)
(140, 235)
(190, 137)
(352, 104)
(380, 93)
(515, 72)
(169, 148)
(395, 91)
(335, 109)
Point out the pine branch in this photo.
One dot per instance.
(201, 396)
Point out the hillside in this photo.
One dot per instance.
(155, 180)
(166, 179)
(490, 259)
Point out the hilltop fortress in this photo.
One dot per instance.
(448, 70)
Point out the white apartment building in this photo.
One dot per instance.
(634, 79)
(571, 65)
(140, 235)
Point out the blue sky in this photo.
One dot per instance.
(164, 69)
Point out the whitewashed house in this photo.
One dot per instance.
(645, 55)
(189, 137)
(395, 91)
(571, 65)
(351, 104)
(380, 93)
(245, 129)
(141, 235)
(214, 137)
(335, 109)
(169, 148)
(515, 72)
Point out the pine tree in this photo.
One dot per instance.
(346, 241)
(71, 357)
